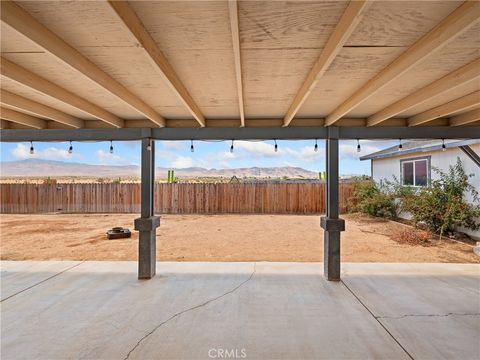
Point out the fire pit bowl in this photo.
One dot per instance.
(118, 232)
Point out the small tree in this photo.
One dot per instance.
(442, 206)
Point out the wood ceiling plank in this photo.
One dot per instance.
(463, 103)
(456, 78)
(466, 118)
(21, 118)
(18, 19)
(465, 16)
(17, 101)
(349, 20)
(435, 67)
(27, 78)
(136, 28)
(233, 14)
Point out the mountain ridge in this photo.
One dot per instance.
(54, 168)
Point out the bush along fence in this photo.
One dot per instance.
(197, 198)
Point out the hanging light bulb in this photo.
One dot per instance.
(358, 146)
(149, 146)
(400, 146)
(444, 148)
(111, 147)
(192, 149)
(231, 147)
(70, 149)
(276, 146)
(32, 150)
(315, 148)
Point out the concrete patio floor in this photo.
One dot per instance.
(99, 310)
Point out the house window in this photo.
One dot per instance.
(415, 172)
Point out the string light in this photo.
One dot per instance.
(32, 150)
(400, 146)
(358, 146)
(192, 149)
(111, 147)
(149, 146)
(444, 148)
(315, 148)
(276, 146)
(231, 147)
(70, 149)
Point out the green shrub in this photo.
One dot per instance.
(373, 199)
(442, 206)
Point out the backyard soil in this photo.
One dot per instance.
(216, 238)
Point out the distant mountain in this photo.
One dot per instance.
(44, 168)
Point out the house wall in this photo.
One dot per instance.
(388, 168)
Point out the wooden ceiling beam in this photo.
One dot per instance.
(463, 103)
(21, 118)
(35, 82)
(21, 21)
(4, 124)
(347, 23)
(450, 81)
(233, 13)
(461, 19)
(17, 101)
(137, 29)
(464, 119)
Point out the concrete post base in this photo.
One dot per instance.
(331, 252)
(147, 246)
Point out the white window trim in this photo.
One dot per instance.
(413, 161)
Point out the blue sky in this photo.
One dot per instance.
(177, 154)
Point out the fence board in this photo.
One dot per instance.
(195, 198)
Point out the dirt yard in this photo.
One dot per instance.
(215, 238)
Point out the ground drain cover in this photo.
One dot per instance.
(118, 233)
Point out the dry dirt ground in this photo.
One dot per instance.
(215, 238)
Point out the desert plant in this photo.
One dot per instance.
(442, 206)
(373, 199)
(49, 181)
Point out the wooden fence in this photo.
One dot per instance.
(261, 198)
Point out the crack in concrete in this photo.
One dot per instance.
(42, 281)
(377, 320)
(139, 342)
(427, 315)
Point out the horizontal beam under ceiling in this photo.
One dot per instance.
(282, 133)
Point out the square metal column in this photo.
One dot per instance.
(331, 223)
(148, 222)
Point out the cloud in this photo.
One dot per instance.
(307, 154)
(348, 148)
(181, 162)
(169, 158)
(258, 148)
(266, 150)
(22, 152)
(222, 159)
(105, 157)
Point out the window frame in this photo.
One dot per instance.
(413, 160)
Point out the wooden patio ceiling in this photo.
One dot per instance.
(93, 64)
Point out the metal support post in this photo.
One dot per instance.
(331, 223)
(148, 222)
